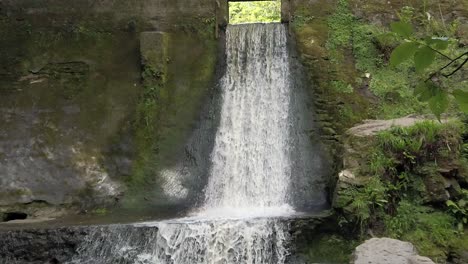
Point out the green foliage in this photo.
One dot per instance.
(423, 58)
(342, 87)
(249, 12)
(330, 249)
(399, 161)
(424, 52)
(388, 85)
(369, 45)
(367, 200)
(430, 231)
(341, 26)
(412, 52)
(433, 234)
(425, 141)
(301, 17)
(439, 103)
(100, 211)
(462, 99)
(365, 51)
(402, 28)
(459, 209)
(405, 220)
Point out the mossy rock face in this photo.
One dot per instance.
(65, 96)
(71, 95)
(178, 81)
(383, 12)
(397, 182)
(435, 186)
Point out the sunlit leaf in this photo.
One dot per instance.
(462, 99)
(450, 203)
(402, 28)
(403, 52)
(423, 58)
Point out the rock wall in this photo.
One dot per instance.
(72, 98)
(155, 11)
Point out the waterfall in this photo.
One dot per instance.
(251, 161)
(242, 218)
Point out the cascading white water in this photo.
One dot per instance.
(251, 162)
(250, 177)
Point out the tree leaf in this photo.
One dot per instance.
(450, 203)
(439, 103)
(423, 58)
(438, 43)
(403, 52)
(402, 28)
(425, 91)
(462, 99)
(419, 90)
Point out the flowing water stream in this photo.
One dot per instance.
(251, 175)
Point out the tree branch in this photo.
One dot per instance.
(457, 69)
(448, 65)
(440, 53)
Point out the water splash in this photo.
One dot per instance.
(251, 166)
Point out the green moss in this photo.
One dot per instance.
(333, 83)
(368, 57)
(342, 87)
(365, 202)
(405, 192)
(433, 235)
(341, 24)
(330, 249)
(429, 230)
(100, 211)
(177, 77)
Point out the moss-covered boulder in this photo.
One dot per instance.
(401, 181)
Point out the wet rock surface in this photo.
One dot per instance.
(40, 246)
(62, 244)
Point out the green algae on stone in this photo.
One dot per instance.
(178, 74)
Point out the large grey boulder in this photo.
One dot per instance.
(388, 251)
(372, 127)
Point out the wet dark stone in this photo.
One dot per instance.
(34, 246)
(14, 216)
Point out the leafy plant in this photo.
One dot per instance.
(424, 52)
(342, 87)
(367, 200)
(404, 221)
(432, 234)
(459, 209)
(249, 12)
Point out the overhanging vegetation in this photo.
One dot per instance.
(255, 11)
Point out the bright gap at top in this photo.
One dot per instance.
(255, 12)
